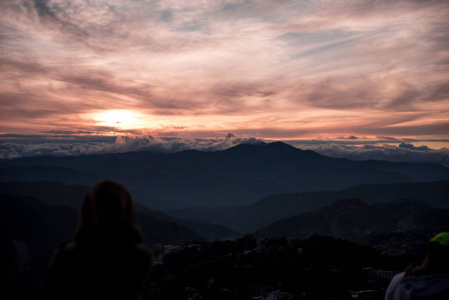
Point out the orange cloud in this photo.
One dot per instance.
(263, 68)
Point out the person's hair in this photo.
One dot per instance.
(108, 205)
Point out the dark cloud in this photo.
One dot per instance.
(242, 89)
(412, 147)
(371, 94)
(34, 139)
(43, 9)
(49, 12)
(64, 132)
(25, 65)
(437, 128)
(328, 94)
(410, 96)
(388, 138)
(247, 9)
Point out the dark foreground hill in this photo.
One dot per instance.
(269, 209)
(356, 220)
(31, 230)
(237, 176)
(313, 269)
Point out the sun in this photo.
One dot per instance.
(123, 119)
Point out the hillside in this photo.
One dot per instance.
(356, 220)
(237, 176)
(31, 230)
(59, 194)
(250, 218)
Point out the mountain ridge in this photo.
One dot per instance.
(240, 175)
(356, 220)
(249, 218)
(72, 196)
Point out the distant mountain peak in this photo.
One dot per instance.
(245, 147)
(263, 147)
(280, 146)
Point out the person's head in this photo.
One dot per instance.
(438, 253)
(107, 203)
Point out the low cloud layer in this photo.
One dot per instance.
(14, 146)
(352, 147)
(380, 148)
(388, 153)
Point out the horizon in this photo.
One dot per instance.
(291, 71)
(355, 148)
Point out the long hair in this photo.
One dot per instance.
(108, 212)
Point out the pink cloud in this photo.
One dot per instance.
(283, 68)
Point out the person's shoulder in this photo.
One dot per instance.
(432, 286)
(395, 291)
(397, 278)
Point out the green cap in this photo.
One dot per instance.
(442, 238)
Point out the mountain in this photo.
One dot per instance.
(237, 176)
(356, 220)
(250, 218)
(25, 218)
(60, 194)
(30, 232)
(49, 173)
(55, 193)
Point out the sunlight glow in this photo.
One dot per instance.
(123, 119)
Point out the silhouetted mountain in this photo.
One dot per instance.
(29, 211)
(59, 194)
(55, 193)
(49, 173)
(354, 219)
(250, 218)
(236, 176)
(30, 232)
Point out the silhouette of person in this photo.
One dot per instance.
(430, 280)
(108, 259)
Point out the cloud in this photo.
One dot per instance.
(281, 69)
(410, 153)
(68, 132)
(66, 144)
(412, 147)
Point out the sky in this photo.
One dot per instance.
(359, 73)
